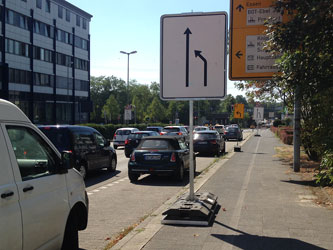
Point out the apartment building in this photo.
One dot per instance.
(45, 60)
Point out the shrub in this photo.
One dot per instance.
(325, 175)
(277, 123)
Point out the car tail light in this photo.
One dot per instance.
(132, 157)
(180, 133)
(213, 142)
(126, 141)
(173, 157)
(114, 136)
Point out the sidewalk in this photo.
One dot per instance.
(263, 206)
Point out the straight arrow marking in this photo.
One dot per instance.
(197, 53)
(187, 33)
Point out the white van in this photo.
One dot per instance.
(43, 200)
(121, 135)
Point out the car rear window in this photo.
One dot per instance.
(138, 136)
(60, 137)
(232, 129)
(156, 144)
(123, 132)
(202, 136)
(171, 130)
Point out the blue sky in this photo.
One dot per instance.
(130, 25)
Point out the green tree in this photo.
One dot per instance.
(111, 109)
(156, 110)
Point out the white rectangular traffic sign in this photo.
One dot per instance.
(193, 56)
(258, 113)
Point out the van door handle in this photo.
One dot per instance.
(26, 189)
(8, 194)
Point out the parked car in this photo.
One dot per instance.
(154, 128)
(134, 139)
(43, 199)
(176, 131)
(90, 149)
(160, 155)
(209, 141)
(200, 128)
(233, 133)
(121, 135)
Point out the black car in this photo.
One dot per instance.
(134, 139)
(208, 141)
(90, 149)
(160, 155)
(233, 133)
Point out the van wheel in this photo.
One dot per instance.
(83, 170)
(71, 237)
(113, 165)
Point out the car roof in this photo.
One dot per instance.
(154, 127)
(10, 112)
(206, 132)
(126, 128)
(165, 137)
(71, 127)
(144, 132)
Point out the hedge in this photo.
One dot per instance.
(284, 133)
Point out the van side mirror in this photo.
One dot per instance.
(67, 161)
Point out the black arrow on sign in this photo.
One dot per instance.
(197, 53)
(239, 54)
(187, 33)
(240, 7)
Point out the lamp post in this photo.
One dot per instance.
(128, 54)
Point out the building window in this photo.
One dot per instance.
(48, 6)
(81, 43)
(63, 59)
(84, 23)
(60, 10)
(43, 29)
(64, 36)
(68, 15)
(78, 20)
(16, 48)
(19, 76)
(16, 19)
(81, 64)
(39, 4)
(41, 79)
(42, 54)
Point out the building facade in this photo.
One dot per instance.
(45, 60)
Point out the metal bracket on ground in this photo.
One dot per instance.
(199, 212)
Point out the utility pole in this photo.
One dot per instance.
(297, 129)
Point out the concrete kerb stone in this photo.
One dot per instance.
(139, 237)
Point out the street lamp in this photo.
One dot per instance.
(128, 54)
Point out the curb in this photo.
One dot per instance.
(145, 231)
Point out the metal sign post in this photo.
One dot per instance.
(191, 196)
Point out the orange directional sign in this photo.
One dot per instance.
(239, 110)
(247, 59)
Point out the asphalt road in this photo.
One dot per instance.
(115, 203)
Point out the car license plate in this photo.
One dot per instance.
(152, 157)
